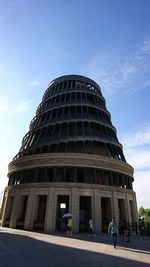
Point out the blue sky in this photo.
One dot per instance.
(106, 40)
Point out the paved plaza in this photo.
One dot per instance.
(25, 249)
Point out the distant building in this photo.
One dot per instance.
(69, 161)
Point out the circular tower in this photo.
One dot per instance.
(70, 161)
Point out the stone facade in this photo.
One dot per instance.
(69, 161)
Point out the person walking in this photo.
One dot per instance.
(69, 227)
(90, 228)
(127, 233)
(113, 230)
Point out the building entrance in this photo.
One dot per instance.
(62, 208)
(106, 213)
(22, 212)
(85, 212)
(40, 216)
(122, 212)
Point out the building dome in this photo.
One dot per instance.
(69, 161)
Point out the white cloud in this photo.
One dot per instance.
(127, 69)
(139, 138)
(141, 187)
(115, 71)
(138, 159)
(136, 149)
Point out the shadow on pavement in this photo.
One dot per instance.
(24, 251)
(139, 244)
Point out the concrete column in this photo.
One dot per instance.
(128, 210)
(135, 209)
(97, 212)
(115, 211)
(5, 209)
(30, 211)
(75, 210)
(15, 209)
(51, 209)
(133, 216)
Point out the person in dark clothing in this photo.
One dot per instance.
(127, 233)
(90, 228)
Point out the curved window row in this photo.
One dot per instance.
(65, 130)
(71, 98)
(71, 113)
(85, 147)
(70, 85)
(71, 175)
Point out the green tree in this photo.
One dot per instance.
(144, 213)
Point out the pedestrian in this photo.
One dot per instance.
(113, 230)
(69, 227)
(142, 226)
(127, 233)
(90, 228)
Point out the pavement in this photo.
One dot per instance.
(25, 249)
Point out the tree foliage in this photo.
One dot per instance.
(144, 213)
